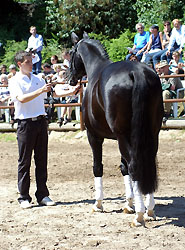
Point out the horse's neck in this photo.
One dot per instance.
(94, 64)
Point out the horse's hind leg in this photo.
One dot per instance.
(128, 188)
(139, 206)
(150, 204)
(96, 146)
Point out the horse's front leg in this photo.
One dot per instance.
(96, 146)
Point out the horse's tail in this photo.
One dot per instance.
(144, 142)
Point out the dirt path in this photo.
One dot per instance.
(70, 224)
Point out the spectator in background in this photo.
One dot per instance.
(154, 44)
(161, 55)
(35, 44)
(157, 68)
(47, 70)
(12, 69)
(3, 69)
(66, 58)
(140, 42)
(4, 97)
(54, 60)
(177, 39)
(169, 87)
(177, 65)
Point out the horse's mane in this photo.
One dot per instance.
(100, 48)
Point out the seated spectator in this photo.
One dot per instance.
(154, 44)
(3, 69)
(47, 70)
(157, 68)
(54, 60)
(4, 97)
(161, 55)
(177, 39)
(12, 69)
(66, 111)
(140, 42)
(169, 87)
(177, 64)
(133, 58)
(66, 58)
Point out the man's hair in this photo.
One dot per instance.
(140, 25)
(32, 27)
(20, 56)
(46, 65)
(167, 22)
(3, 66)
(176, 20)
(3, 76)
(176, 53)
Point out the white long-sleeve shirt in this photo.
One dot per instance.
(177, 36)
(35, 42)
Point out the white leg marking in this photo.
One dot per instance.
(97, 207)
(139, 204)
(129, 209)
(150, 204)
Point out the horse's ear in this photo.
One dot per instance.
(74, 38)
(85, 35)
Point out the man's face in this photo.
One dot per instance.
(165, 70)
(140, 29)
(167, 27)
(26, 65)
(3, 70)
(176, 25)
(33, 31)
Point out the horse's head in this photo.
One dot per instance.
(76, 67)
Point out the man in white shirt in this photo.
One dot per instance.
(177, 38)
(28, 91)
(35, 44)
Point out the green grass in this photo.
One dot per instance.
(8, 137)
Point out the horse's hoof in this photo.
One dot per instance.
(136, 223)
(97, 209)
(149, 216)
(128, 210)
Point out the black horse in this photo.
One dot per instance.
(122, 101)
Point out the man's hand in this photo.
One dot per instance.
(46, 87)
(78, 89)
(172, 87)
(168, 52)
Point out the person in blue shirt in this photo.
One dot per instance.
(140, 42)
(155, 44)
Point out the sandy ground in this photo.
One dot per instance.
(71, 224)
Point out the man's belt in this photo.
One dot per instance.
(33, 119)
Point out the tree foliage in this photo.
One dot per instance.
(157, 11)
(109, 17)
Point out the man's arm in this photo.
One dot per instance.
(69, 92)
(30, 96)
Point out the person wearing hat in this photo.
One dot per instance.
(154, 44)
(169, 87)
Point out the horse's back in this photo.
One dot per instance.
(117, 82)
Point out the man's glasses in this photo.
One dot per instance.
(167, 24)
(140, 28)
